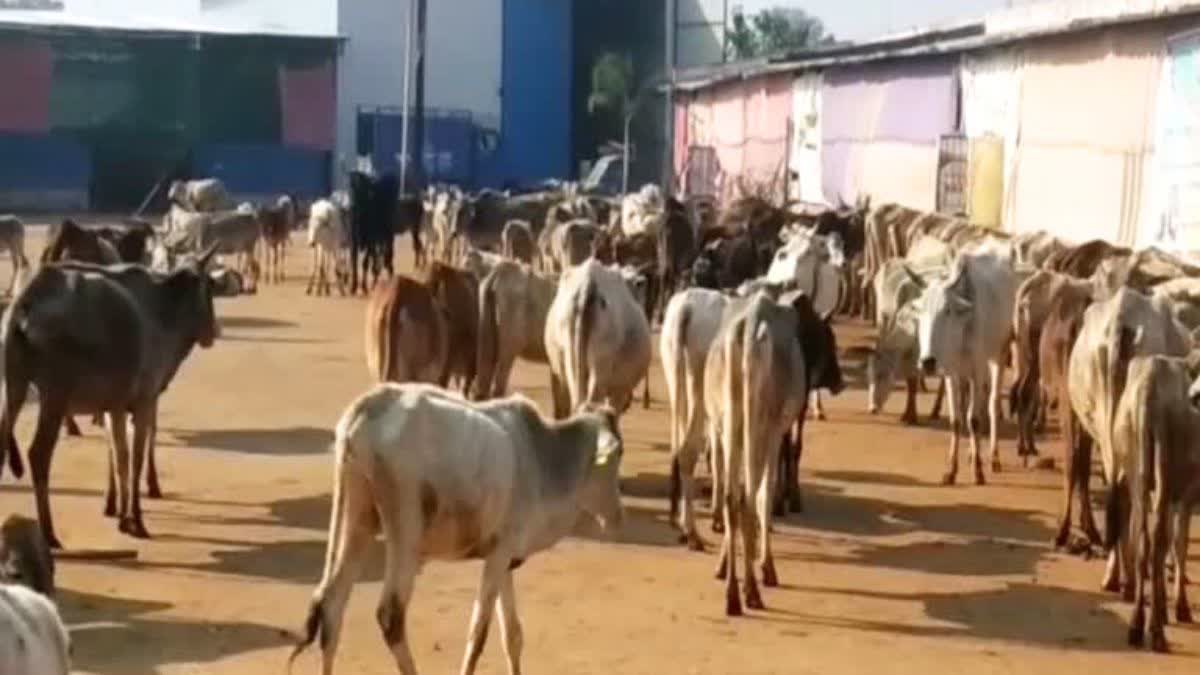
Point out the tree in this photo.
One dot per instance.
(775, 31)
(613, 90)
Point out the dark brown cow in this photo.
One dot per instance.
(406, 334)
(1081, 261)
(676, 249)
(276, 222)
(100, 340)
(456, 291)
(1059, 332)
(517, 241)
(69, 241)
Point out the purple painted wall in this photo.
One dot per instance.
(909, 103)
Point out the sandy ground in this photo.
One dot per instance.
(885, 573)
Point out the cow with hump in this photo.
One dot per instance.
(964, 329)
(597, 340)
(1113, 332)
(100, 340)
(443, 478)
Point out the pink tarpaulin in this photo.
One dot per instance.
(308, 106)
(27, 68)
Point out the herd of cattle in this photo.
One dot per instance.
(745, 297)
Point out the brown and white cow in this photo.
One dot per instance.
(456, 292)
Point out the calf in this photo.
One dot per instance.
(456, 293)
(502, 485)
(406, 333)
(597, 340)
(1156, 449)
(755, 386)
(33, 639)
(24, 556)
(895, 357)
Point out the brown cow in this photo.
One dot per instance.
(98, 340)
(276, 223)
(513, 304)
(12, 239)
(406, 333)
(1059, 331)
(69, 241)
(24, 556)
(456, 292)
(1081, 261)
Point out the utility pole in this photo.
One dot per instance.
(404, 158)
(419, 96)
(668, 170)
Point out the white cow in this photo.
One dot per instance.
(690, 324)
(33, 640)
(755, 383)
(641, 211)
(963, 329)
(810, 262)
(446, 479)
(326, 237)
(597, 339)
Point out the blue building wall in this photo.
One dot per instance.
(535, 126)
(44, 173)
(253, 172)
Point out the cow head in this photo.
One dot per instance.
(192, 295)
(601, 494)
(894, 346)
(944, 322)
(819, 345)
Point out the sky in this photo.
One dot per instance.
(858, 19)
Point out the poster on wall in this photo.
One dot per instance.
(1174, 221)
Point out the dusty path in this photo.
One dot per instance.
(886, 573)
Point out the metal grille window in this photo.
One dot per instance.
(952, 174)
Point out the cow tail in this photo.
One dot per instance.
(578, 375)
(488, 351)
(1119, 356)
(732, 379)
(380, 337)
(680, 366)
(13, 388)
(755, 344)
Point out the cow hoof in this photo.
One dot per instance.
(1137, 636)
(1127, 593)
(722, 569)
(1183, 613)
(694, 542)
(134, 528)
(110, 509)
(1158, 642)
(1111, 585)
(908, 419)
(154, 492)
(753, 599)
(770, 578)
(996, 467)
(948, 479)
(979, 479)
(733, 605)
(796, 502)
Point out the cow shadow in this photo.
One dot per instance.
(642, 527)
(290, 441)
(271, 340)
(120, 636)
(254, 322)
(1067, 618)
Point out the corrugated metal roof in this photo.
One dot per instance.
(997, 29)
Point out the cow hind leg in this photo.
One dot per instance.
(993, 403)
(766, 557)
(750, 525)
(973, 399)
(1180, 538)
(153, 489)
(71, 427)
(41, 452)
(956, 413)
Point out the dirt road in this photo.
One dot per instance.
(885, 573)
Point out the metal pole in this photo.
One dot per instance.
(407, 91)
(625, 156)
(419, 95)
(668, 172)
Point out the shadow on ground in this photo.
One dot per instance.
(119, 636)
(254, 322)
(290, 441)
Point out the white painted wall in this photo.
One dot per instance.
(370, 70)
(274, 17)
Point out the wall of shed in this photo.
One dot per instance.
(1086, 131)
(1173, 214)
(880, 127)
(740, 129)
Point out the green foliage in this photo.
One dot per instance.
(775, 31)
(612, 84)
